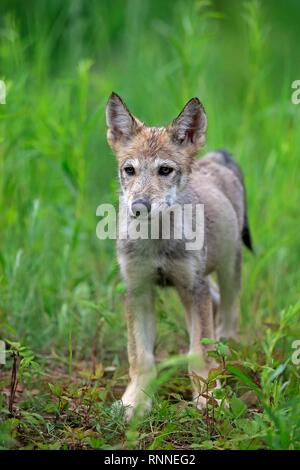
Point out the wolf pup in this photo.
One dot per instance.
(158, 169)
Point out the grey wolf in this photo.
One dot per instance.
(158, 168)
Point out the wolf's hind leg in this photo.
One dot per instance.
(199, 317)
(229, 278)
(215, 297)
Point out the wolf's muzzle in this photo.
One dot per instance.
(140, 207)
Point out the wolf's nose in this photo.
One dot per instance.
(140, 206)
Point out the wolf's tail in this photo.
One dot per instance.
(229, 162)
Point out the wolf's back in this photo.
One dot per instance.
(224, 158)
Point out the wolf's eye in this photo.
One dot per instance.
(165, 170)
(129, 170)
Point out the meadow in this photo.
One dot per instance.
(61, 296)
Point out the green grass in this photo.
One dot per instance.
(61, 297)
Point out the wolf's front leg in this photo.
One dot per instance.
(141, 336)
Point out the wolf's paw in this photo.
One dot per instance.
(201, 401)
(203, 397)
(136, 400)
(136, 409)
(119, 409)
(225, 334)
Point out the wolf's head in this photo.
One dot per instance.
(154, 162)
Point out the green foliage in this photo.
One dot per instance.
(61, 298)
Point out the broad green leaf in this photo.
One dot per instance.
(237, 406)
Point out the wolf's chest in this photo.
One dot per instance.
(162, 262)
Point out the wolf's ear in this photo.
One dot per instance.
(122, 125)
(189, 128)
